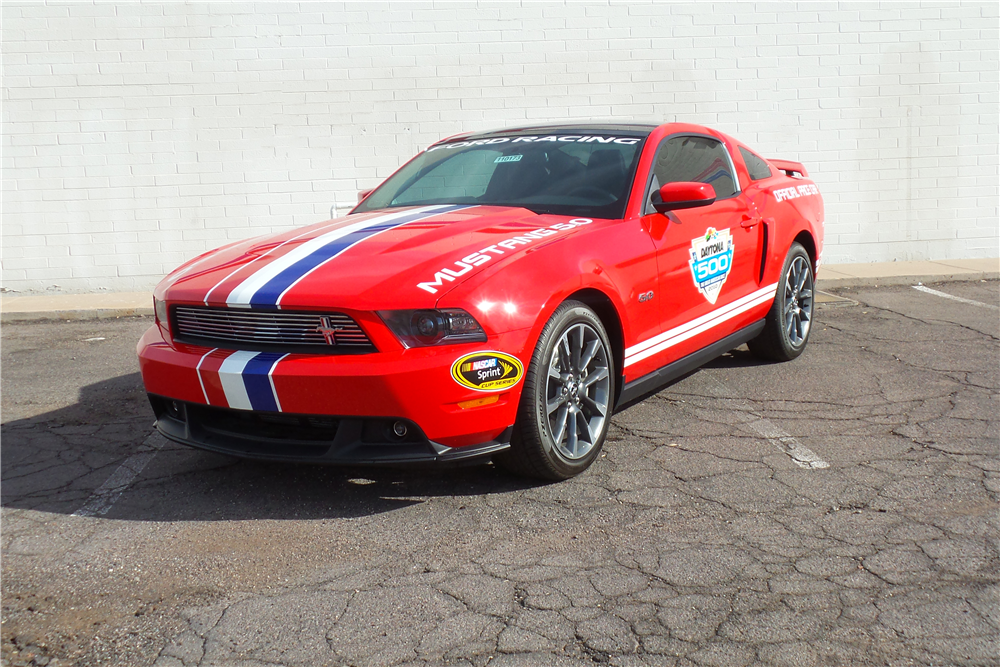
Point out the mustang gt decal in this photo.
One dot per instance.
(486, 254)
(711, 261)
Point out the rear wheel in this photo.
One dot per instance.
(787, 327)
(566, 401)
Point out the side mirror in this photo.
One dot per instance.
(681, 195)
(363, 194)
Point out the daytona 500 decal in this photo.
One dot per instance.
(711, 261)
(487, 371)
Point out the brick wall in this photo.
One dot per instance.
(137, 136)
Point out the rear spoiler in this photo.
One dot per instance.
(790, 168)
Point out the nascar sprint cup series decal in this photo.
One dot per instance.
(711, 260)
(487, 371)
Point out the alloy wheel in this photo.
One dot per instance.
(578, 391)
(798, 301)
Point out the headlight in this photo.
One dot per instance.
(160, 311)
(420, 328)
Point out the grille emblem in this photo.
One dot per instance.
(328, 330)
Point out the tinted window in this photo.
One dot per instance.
(563, 174)
(756, 167)
(697, 159)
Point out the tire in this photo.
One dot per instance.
(789, 322)
(564, 413)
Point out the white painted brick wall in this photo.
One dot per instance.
(136, 135)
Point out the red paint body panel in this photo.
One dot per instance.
(454, 259)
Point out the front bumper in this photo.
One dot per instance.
(413, 385)
(311, 438)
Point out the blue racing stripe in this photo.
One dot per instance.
(258, 383)
(269, 294)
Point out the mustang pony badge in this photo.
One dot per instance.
(487, 371)
(711, 261)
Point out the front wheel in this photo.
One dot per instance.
(566, 402)
(786, 329)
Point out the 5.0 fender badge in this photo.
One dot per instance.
(487, 371)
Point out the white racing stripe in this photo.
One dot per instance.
(668, 339)
(231, 376)
(197, 369)
(242, 293)
(945, 295)
(256, 259)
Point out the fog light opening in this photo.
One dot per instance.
(399, 429)
(175, 410)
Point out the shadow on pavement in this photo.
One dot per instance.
(54, 462)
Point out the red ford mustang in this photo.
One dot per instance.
(498, 296)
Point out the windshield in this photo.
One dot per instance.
(564, 174)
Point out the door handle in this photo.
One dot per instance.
(749, 221)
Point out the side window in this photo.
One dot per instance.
(697, 159)
(756, 167)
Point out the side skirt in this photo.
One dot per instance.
(647, 384)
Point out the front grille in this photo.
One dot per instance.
(269, 330)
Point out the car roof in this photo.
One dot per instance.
(623, 129)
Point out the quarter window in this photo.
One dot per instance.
(697, 159)
(756, 167)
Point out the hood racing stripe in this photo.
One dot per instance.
(258, 258)
(267, 285)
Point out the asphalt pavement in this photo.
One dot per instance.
(840, 509)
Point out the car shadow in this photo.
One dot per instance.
(56, 461)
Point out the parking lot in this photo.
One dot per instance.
(840, 509)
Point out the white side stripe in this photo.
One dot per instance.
(241, 295)
(231, 376)
(668, 339)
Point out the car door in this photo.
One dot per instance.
(707, 256)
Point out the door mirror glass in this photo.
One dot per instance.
(677, 196)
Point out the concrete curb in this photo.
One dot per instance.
(82, 314)
(888, 281)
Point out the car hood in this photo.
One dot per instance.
(395, 258)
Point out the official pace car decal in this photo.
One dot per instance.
(487, 371)
(795, 192)
(711, 261)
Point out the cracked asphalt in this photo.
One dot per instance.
(696, 539)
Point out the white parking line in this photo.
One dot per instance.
(970, 302)
(800, 455)
(107, 494)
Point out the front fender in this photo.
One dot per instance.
(523, 294)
